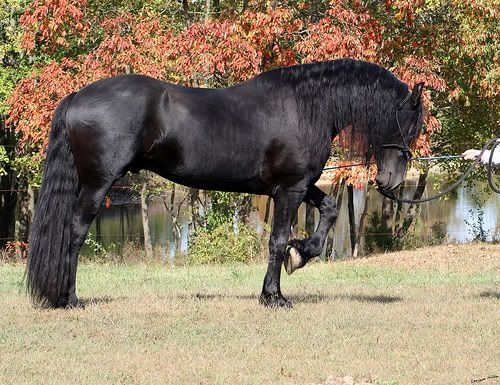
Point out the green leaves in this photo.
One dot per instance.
(4, 160)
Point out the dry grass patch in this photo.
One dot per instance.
(203, 325)
(460, 258)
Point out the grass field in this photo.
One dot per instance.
(430, 316)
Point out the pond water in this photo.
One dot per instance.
(459, 216)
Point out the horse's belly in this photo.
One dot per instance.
(217, 169)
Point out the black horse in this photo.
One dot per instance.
(270, 135)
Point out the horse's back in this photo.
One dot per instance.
(236, 139)
(122, 97)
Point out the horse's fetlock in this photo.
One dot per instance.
(277, 245)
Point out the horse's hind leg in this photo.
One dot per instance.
(286, 203)
(301, 251)
(88, 203)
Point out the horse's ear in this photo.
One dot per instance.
(417, 92)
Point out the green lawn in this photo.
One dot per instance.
(203, 325)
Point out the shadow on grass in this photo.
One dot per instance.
(210, 296)
(99, 300)
(299, 298)
(490, 294)
(369, 298)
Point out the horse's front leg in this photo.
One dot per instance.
(301, 251)
(286, 204)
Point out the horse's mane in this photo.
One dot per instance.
(356, 98)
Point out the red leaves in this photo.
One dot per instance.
(17, 249)
(47, 24)
(354, 176)
(34, 100)
(233, 51)
(342, 33)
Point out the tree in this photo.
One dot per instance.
(217, 44)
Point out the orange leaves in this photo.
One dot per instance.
(354, 176)
(235, 50)
(34, 100)
(342, 33)
(414, 70)
(48, 23)
(17, 249)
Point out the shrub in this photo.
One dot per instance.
(438, 234)
(223, 244)
(378, 237)
(15, 251)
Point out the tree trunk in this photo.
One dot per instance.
(8, 186)
(246, 208)
(245, 6)
(216, 8)
(174, 211)
(31, 207)
(122, 224)
(185, 7)
(387, 214)
(338, 193)
(399, 207)
(268, 210)
(361, 225)
(327, 249)
(386, 224)
(7, 213)
(127, 221)
(352, 219)
(309, 219)
(145, 221)
(207, 11)
(98, 237)
(8, 203)
(22, 215)
(413, 209)
(194, 194)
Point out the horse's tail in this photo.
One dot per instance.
(48, 268)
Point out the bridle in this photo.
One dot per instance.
(404, 148)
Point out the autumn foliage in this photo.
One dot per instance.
(52, 23)
(215, 53)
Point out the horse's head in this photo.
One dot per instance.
(392, 152)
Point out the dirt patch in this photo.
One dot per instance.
(459, 258)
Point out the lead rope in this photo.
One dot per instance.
(490, 167)
(460, 180)
(419, 158)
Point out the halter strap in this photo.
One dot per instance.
(401, 105)
(404, 148)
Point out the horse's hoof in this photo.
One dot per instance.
(274, 301)
(75, 303)
(293, 260)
